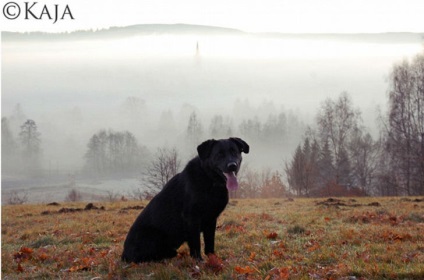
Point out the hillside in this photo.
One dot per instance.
(123, 32)
(187, 29)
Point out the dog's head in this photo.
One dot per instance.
(223, 157)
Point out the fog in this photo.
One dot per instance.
(149, 84)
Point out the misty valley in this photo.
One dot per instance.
(113, 114)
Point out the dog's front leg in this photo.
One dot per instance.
(209, 236)
(194, 238)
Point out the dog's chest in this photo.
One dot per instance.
(214, 201)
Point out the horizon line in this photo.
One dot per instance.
(228, 29)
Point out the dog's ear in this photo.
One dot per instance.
(204, 149)
(241, 144)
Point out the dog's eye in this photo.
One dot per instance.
(233, 152)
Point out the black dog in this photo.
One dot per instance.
(189, 204)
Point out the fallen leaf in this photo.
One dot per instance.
(272, 235)
(24, 254)
(244, 270)
(278, 253)
(43, 257)
(313, 247)
(279, 273)
(252, 256)
(26, 250)
(284, 273)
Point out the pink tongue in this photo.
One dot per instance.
(232, 184)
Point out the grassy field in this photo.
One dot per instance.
(361, 238)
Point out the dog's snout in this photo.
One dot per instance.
(232, 166)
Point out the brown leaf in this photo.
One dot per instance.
(43, 257)
(244, 270)
(278, 253)
(284, 273)
(270, 235)
(24, 254)
(26, 250)
(252, 256)
(314, 247)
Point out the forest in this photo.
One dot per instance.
(335, 154)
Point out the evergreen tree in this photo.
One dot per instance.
(296, 172)
(343, 175)
(325, 165)
(31, 147)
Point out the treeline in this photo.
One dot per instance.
(112, 153)
(109, 153)
(336, 156)
(277, 128)
(339, 157)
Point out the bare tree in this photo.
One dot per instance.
(337, 120)
(165, 164)
(406, 125)
(112, 196)
(17, 197)
(364, 153)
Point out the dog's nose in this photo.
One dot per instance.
(232, 166)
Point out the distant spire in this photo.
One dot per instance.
(197, 56)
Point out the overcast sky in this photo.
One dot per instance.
(305, 16)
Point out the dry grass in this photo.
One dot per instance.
(256, 239)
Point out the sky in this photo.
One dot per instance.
(286, 16)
